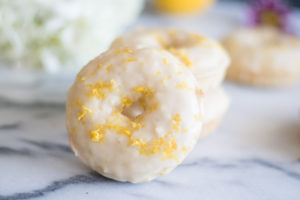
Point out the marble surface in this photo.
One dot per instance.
(254, 154)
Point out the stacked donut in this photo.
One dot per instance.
(138, 109)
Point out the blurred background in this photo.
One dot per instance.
(45, 43)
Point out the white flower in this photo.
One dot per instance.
(60, 34)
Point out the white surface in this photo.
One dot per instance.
(253, 155)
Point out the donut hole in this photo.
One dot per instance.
(182, 41)
(174, 45)
(135, 110)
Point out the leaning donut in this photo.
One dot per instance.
(133, 114)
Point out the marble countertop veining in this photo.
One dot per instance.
(254, 154)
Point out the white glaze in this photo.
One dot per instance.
(116, 157)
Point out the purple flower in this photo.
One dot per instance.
(269, 12)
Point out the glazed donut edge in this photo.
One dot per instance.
(133, 115)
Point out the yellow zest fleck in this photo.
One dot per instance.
(100, 89)
(84, 110)
(116, 115)
(179, 72)
(81, 78)
(182, 56)
(176, 122)
(165, 79)
(169, 149)
(118, 51)
(139, 118)
(108, 67)
(118, 128)
(163, 145)
(135, 125)
(123, 51)
(93, 72)
(99, 66)
(184, 149)
(126, 101)
(121, 126)
(153, 107)
(158, 73)
(125, 69)
(183, 85)
(121, 130)
(165, 60)
(127, 50)
(129, 59)
(98, 134)
(144, 91)
(137, 142)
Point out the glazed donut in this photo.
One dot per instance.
(131, 116)
(203, 56)
(263, 56)
(216, 103)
